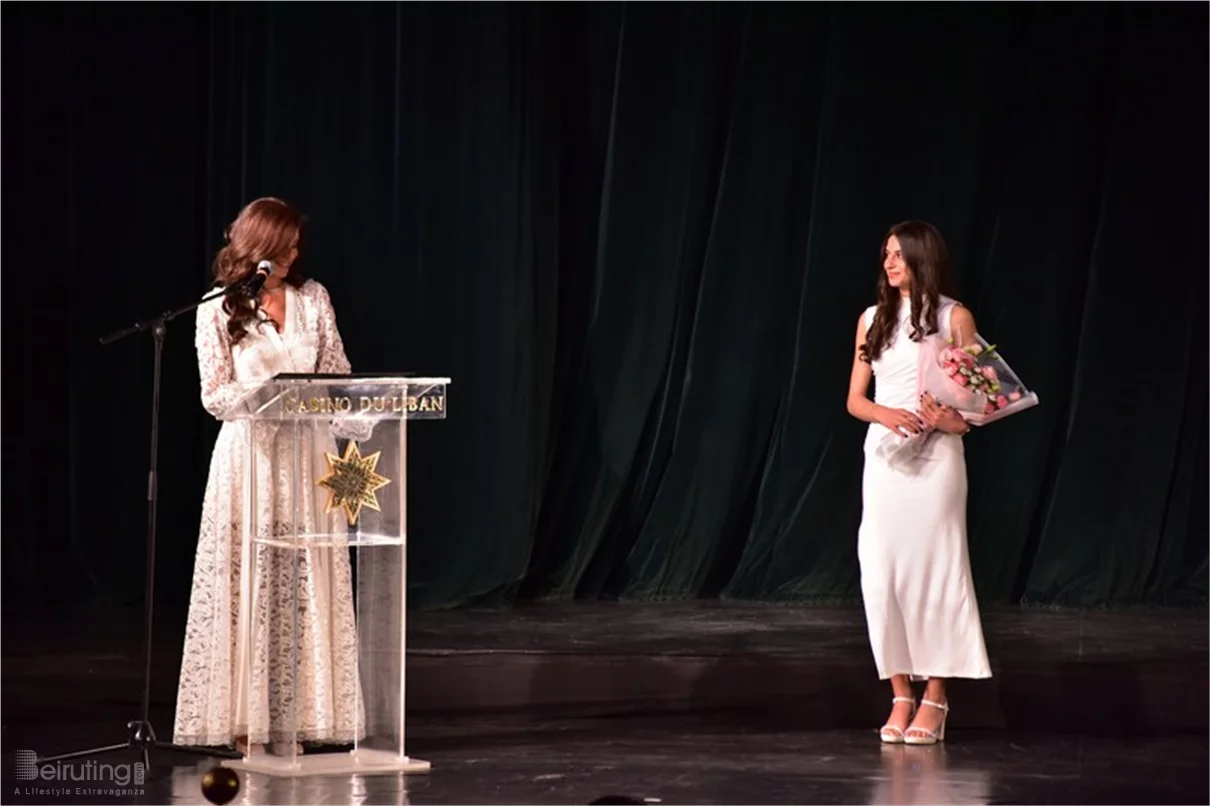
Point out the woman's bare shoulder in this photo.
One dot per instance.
(960, 313)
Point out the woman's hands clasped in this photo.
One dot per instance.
(901, 421)
(933, 415)
(940, 416)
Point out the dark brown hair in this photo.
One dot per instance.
(264, 230)
(928, 259)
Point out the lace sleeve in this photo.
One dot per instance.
(214, 363)
(332, 358)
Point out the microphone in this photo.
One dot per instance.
(256, 281)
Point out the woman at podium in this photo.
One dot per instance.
(239, 683)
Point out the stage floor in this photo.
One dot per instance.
(684, 703)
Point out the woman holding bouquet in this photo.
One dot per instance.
(920, 605)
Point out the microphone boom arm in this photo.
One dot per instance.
(141, 736)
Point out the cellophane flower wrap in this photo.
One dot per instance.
(973, 379)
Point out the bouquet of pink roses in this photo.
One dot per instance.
(973, 379)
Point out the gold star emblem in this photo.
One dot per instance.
(352, 481)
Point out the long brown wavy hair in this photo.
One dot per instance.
(264, 230)
(928, 259)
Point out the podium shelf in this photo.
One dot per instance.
(331, 540)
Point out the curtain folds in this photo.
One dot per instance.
(638, 237)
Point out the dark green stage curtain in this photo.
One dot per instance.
(638, 237)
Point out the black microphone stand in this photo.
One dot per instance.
(142, 734)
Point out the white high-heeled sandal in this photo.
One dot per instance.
(898, 736)
(929, 736)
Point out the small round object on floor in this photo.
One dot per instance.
(220, 785)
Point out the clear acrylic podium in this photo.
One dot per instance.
(323, 615)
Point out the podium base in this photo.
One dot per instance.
(357, 762)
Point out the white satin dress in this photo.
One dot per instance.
(920, 604)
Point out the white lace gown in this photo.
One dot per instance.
(920, 605)
(226, 692)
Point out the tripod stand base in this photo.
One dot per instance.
(142, 738)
